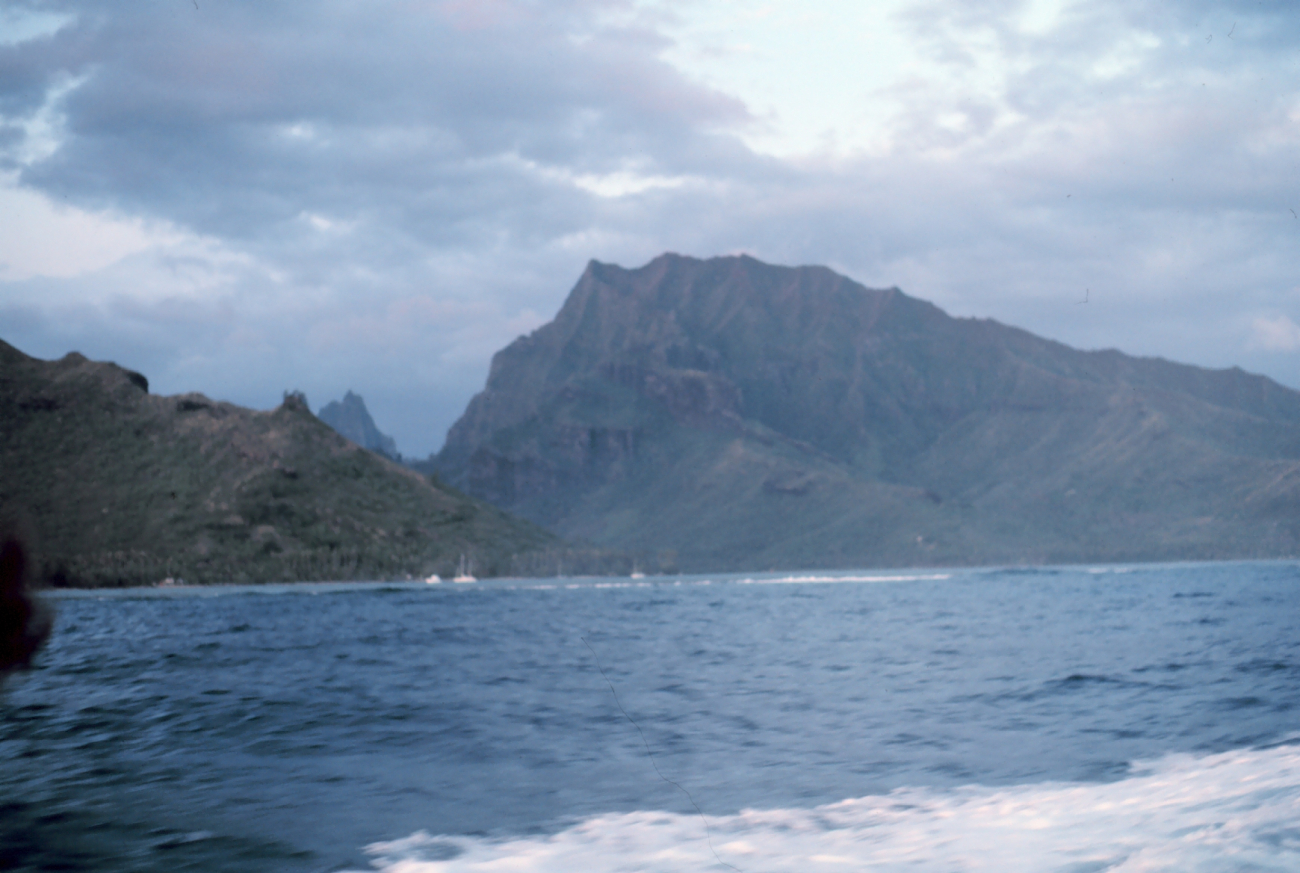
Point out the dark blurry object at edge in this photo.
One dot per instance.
(24, 621)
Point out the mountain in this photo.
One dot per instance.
(750, 416)
(351, 418)
(122, 487)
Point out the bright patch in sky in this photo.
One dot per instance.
(815, 75)
(1278, 334)
(20, 25)
(1040, 16)
(832, 76)
(41, 238)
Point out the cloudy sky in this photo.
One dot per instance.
(240, 198)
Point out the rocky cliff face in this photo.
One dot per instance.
(122, 487)
(351, 419)
(748, 415)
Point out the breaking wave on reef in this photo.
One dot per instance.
(1232, 811)
(791, 580)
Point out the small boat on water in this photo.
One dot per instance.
(636, 572)
(434, 579)
(464, 574)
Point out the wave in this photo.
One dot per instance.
(789, 580)
(1231, 811)
(603, 582)
(260, 589)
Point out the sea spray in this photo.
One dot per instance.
(1233, 811)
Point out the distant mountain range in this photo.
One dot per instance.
(122, 487)
(351, 419)
(750, 416)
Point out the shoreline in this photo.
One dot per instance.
(805, 575)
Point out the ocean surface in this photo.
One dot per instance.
(1073, 719)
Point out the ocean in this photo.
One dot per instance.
(1068, 719)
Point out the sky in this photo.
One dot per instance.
(245, 198)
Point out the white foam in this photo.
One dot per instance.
(794, 580)
(1234, 811)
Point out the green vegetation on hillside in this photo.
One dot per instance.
(122, 487)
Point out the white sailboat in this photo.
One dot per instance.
(636, 573)
(434, 579)
(464, 574)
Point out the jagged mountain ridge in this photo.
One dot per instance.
(123, 487)
(351, 419)
(748, 415)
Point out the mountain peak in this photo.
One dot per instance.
(686, 403)
(351, 419)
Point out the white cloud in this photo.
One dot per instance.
(819, 77)
(41, 238)
(1276, 334)
(42, 130)
(19, 24)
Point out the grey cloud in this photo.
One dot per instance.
(189, 115)
(418, 132)
(402, 186)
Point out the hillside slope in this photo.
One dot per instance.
(124, 487)
(754, 416)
